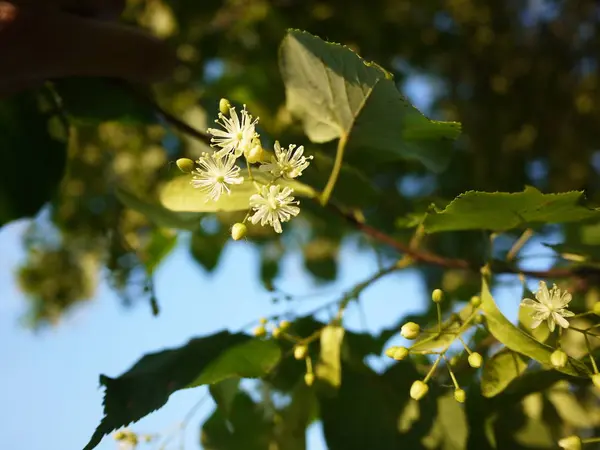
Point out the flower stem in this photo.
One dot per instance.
(589, 349)
(432, 370)
(456, 385)
(335, 172)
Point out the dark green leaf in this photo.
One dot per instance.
(94, 100)
(160, 245)
(32, 162)
(206, 247)
(148, 384)
(501, 211)
(337, 94)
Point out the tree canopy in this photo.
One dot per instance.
(503, 147)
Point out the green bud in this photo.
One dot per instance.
(475, 360)
(410, 330)
(559, 358)
(437, 296)
(570, 443)
(460, 395)
(300, 351)
(397, 353)
(596, 308)
(475, 301)
(263, 321)
(596, 380)
(224, 106)
(418, 390)
(238, 231)
(259, 331)
(454, 360)
(309, 379)
(478, 319)
(276, 332)
(120, 435)
(284, 325)
(186, 165)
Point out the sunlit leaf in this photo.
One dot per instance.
(158, 214)
(501, 211)
(519, 341)
(431, 339)
(329, 368)
(500, 370)
(337, 94)
(148, 384)
(179, 195)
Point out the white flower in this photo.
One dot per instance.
(238, 133)
(288, 163)
(549, 305)
(273, 205)
(215, 174)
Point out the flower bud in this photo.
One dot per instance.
(570, 443)
(186, 165)
(460, 396)
(224, 106)
(309, 379)
(238, 231)
(596, 380)
(397, 353)
(475, 360)
(255, 154)
(263, 320)
(300, 351)
(259, 331)
(559, 358)
(418, 390)
(478, 319)
(410, 330)
(475, 301)
(284, 325)
(596, 308)
(276, 332)
(437, 296)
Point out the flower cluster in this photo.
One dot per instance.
(218, 173)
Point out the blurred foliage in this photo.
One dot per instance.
(522, 79)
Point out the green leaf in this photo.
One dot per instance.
(160, 245)
(500, 370)
(328, 368)
(450, 430)
(337, 95)
(430, 339)
(206, 248)
(569, 408)
(148, 384)
(179, 195)
(246, 427)
(94, 100)
(158, 214)
(501, 211)
(519, 341)
(224, 393)
(32, 162)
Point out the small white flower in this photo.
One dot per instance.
(549, 305)
(273, 205)
(238, 133)
(287, 163)
(215, 174)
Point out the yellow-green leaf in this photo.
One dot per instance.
(500, 370)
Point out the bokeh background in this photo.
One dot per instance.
(80, 280)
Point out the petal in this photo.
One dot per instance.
(563, 300)
(560, 320)
(529, 302)
(540, 315)
(565, 312)
(551, 324)
(543, 295)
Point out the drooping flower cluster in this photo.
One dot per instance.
(217, 174)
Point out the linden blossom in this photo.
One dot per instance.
(272, 205)
(216, 174)
(549, 305)
(287, 163)
(238, 134)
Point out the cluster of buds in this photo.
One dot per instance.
(412, 331)
(218, 172)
